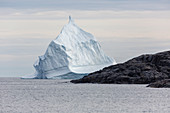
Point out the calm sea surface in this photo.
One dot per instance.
(60, 96)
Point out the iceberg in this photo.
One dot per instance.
(72, 54)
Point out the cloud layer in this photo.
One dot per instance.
(87, 4)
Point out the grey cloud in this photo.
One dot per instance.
(87, 4)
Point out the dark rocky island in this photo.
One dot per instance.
(144, 69)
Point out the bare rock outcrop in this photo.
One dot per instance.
(144, 69)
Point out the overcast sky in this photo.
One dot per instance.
(87, 4)
(124, 28)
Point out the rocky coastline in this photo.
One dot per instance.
(145, 69)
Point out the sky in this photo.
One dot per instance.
(124, 28)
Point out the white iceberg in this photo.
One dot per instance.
(73, 53)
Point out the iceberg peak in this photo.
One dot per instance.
(71, 20)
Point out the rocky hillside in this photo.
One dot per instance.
(144, 69)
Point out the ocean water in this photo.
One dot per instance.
(60, 96)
